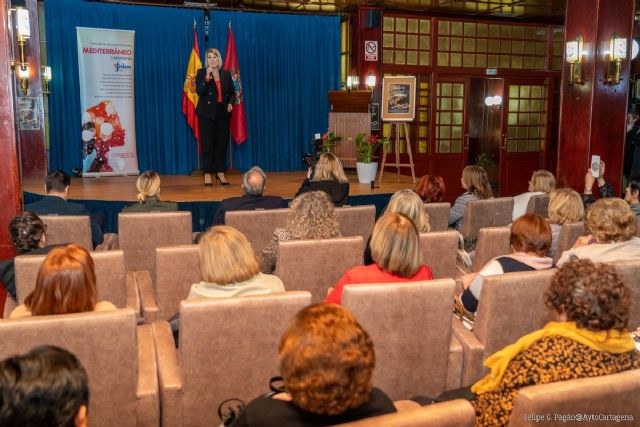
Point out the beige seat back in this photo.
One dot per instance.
(638, 227)
(229, 349)
(139, 234)
(257, 225)
(177, 268)
(110, 276)
(569, 233)
(454, 413)
(410, 326)
(630, 272)
(438, 215)
(511, 305)
(486, 213)
(105, 344)
(68, 229)
(316, 265)
(356, 220)
(492, 242)
(616, 394)
(539, 204)
(439, 251)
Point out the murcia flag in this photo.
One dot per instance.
(189, 95)
(238, 119)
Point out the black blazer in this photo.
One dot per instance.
(338, 192)
(247, 203)
(53, 205)
(8, 273)
(208, 93)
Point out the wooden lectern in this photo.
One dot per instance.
(349, 116)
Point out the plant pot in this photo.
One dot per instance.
(366, 172)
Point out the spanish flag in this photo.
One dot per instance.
(189, 95)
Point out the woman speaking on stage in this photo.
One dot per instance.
(217, 97)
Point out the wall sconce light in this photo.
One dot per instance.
(573, 56)
(493, 101)
(23, 33)
(371, 81)
(23, 73)
(352, 83)
(617, 52)
(46, 78)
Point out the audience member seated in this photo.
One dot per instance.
(55, 203)
(430, 188)
(326, 363)
(148, 186)
(565, 207)
(603, 187)
(230, 268)
(312, 217)
(328, 176)
(476, 184)
(253, 185)
(612, 228)
(28, 235)
(632, 194)
(530, 241)
(590, 339)
(541, 182)
(395, 249)
(66, 283)
(46, 387)
(409, 204)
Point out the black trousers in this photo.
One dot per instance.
(214, 137)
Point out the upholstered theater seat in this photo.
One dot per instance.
(511, 305)
(438, 215)
(439, 251)
(539, 204)
(76, 229)
(356, 220)
(492, 242)
(228, 349)
(629, 270)
(569, 233)
(316, 265)
(257, 225)
(119, 358)
(486, 213)
(410, 326)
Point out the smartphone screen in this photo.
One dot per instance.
(595, 166)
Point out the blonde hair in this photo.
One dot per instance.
(329, 168)
(226, 256)
(312, 217)
(543, 181)
(148, 185)
(610, 220)
(395, 245)
(216, 52)
(475, 179)
(409, 204)
(565, 206)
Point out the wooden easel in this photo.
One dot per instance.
(385, 151)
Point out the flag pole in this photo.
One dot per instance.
(230, 139)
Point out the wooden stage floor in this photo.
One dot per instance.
(182, 188)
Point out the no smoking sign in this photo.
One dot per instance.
(370, 50)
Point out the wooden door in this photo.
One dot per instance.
(524, 133)
(450, 139)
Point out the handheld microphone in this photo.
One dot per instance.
(211, 75)
(373, 185)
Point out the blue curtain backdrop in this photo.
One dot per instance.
(287, 65)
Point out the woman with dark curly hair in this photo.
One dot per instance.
(612, 227)
(28, 235)
(326, 362)
(312, 216)
(590, 339)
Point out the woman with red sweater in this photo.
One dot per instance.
(395, 249)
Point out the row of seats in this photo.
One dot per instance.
(228, 347)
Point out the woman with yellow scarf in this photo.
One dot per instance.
(590, 339)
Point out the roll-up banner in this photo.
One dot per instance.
(105, 64)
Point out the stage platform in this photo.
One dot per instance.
(109, 195)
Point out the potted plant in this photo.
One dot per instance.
(366, 148)
(329, 141)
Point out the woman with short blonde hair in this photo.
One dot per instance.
(148, 186)
(612, 228)
(476, 184)
(312, 216)
(395, 249)
(229, 267)
(565, 207)
(328, 176)
(408, 203)
(541, 182)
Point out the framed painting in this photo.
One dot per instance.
(398, 98)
